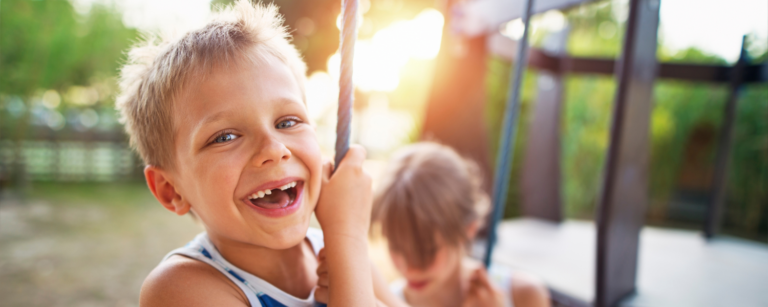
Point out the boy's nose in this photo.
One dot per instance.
(271, 150)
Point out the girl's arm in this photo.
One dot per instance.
(381, 289)
(528, 291)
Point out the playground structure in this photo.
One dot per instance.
(598, 264)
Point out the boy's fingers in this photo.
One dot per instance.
(322, 294)
(322, 268)
(327, 170)
(321, 254)
(323, 280)
(355, 156)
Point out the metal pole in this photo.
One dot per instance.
(346, 87)
(717, 202)
(506, 151)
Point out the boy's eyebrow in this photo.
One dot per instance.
(208, 119)
(212, 118)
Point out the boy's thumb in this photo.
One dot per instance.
(354, 157)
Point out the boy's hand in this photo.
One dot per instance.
(344, 207)
(482, 292)
(321, 290)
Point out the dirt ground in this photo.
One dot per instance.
(83, 248)
(91, 244)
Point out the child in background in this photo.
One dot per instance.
(430, 205)
(219, 117)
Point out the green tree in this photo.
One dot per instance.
(47, 45)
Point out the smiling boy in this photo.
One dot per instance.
(219, 117)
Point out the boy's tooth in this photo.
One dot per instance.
(261, 194)
(293, 184)
(268, 192)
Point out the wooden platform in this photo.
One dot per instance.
(676, 267)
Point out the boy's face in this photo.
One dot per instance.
(248, 161)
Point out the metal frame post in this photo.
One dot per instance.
(541, 175)
(624, 195)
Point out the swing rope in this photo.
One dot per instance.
(506, 153)
(346, 87)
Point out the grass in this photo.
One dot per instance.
(128, 194)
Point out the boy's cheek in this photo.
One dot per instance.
(314, 163)
(209, 180)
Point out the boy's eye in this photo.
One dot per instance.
(225, 137)
(286, 124)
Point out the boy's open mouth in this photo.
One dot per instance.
(277, 198)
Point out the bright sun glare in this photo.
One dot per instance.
(378, 61)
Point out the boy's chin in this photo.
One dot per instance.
(287, 237)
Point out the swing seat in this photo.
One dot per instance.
(675, 267)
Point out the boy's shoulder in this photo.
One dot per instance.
(182, 281)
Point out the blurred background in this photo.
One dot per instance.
(79, 228)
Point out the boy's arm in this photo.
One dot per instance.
(344, 211)
(349, 273)
(381, 290)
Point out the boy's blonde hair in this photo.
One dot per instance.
(428, 197)
(159, 68)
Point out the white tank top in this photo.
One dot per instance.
(258, 291)
(500, 276)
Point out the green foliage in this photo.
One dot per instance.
(47, 45)
(587, 116)
(747, 206)
(497, 91)
(690, 56)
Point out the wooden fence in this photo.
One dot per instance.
(48, 155)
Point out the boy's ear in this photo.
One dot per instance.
(159, 182)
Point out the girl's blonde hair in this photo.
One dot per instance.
(429, 196)
(159, 68)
